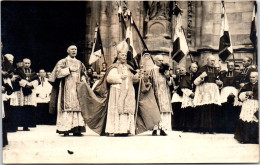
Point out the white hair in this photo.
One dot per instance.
(254, 74)
(26, 59)
(9, 57)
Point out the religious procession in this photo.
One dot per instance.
(139, 90)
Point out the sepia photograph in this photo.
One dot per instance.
(98, 82)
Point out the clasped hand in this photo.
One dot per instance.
(249, 93)
(218, 82)
(203, 75)
(73, 68)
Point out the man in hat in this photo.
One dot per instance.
(161, 82)
(66, 74)
(207, 96)
(25, 97)
(109, 109)
(121, 103)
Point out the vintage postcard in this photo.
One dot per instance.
(129, 82)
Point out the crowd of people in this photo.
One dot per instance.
(26, 95)
(203, 99)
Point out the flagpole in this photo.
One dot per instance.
(139, 89)
(138, 32)
(190, 58)
(99, 37)
(93, 47)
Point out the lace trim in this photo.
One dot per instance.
(176, 98)
(186, 100)
(207, 93)
(165, 123)
(68, 120)
(249, 107)
(225, 92)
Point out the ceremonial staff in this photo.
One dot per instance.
(139, 88)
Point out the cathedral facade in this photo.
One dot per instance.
(201, 21)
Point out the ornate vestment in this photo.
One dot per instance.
(121, 104)
(69, 112)
(163, 97)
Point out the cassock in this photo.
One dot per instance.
(231, 107)
(163, 98)
(15, 108)
(176, 102)
(247, 129)
(7, 74)
(25, 98)
(207, 98)
(4, 123)
(187, 106)
(64, 97)
(43, 92)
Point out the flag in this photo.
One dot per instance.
(129, 36)
(97, 50)
(131, 55)
(180, 46)
(253, 33)
(225, 45)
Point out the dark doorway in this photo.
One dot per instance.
(42, 31)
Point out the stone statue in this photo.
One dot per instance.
(158, 10)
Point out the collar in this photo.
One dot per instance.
(210, 67)
(68, 57)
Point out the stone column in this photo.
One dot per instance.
(198, 20)
(114, 30)
(207, 24)
(88, 35)
(103, 26)
(93, 17)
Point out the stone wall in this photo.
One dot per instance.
(202, 19)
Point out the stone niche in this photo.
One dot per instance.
(158, 35)
(159, 29)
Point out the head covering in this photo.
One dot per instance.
(9, 57)
(159, 57)
(122, 47)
